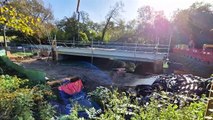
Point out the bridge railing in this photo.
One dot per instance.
(152, 48)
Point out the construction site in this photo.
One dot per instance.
(143, 69)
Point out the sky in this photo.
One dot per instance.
(98, 9)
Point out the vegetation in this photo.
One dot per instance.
(17, 101)
(121, 106)
(26, 19)
(8, 67)
(111, 15)
(21, 102)
(28, 99)
(151, 26)
(23, 54)
(11, 18)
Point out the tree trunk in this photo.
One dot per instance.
(5, 42)
(105, 28)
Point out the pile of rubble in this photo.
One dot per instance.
(176, 88)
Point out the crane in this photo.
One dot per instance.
(77, 9)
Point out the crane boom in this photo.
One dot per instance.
(77, 9)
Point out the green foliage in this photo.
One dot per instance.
(18, 21)
(115, 104)
(101, 95)
(83, 37)
(130, 67)
(43, 92)
(73, 115)
(70, 28)
(107, 37)
(193, 21)
(19, 102)
(118, 106)
(30, 17)
(10, 84)
(23, 54)
(165, 111)
(15, 102)
(92, 35)
(46, 111)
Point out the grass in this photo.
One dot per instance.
(8, 38)
(1, 38)
(22, 54)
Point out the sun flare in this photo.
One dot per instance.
(168, 6)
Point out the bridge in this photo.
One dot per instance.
(147, 57)
(112, 54)
(115, 51)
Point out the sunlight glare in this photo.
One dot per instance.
(168, 6)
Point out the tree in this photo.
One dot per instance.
(36, 9)
(145, 28)
(161, 27)
(84, 17)
(153, 26)
(11, 18)
(83, 37)
(114, 12)
(195, 21)
(68, 27)
(145, 14)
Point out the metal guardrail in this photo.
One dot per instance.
(122, 47)
(154, 48)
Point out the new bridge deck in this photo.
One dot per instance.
(111, 54)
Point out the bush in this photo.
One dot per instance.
(83, 37)
(120, 106)
(20, 102)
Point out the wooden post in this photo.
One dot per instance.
(157, 67)
(54, 51)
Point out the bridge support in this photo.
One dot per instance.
(145, 68)
(158, 67)
(54, 55)
(54, 51)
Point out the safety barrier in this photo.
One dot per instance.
(196, 53)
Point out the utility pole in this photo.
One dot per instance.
(170, 40)
(77, 10)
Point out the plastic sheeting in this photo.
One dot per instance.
(95, 74)
(34, 76)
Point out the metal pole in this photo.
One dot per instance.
(170, 39)
(78, 27)
(92, 52)
(77, 10)
(135, 49)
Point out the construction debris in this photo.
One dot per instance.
(181, 89)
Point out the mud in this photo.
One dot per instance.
(91, 76)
